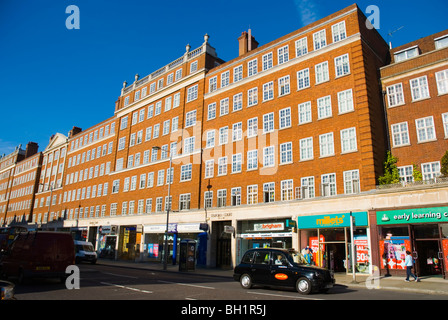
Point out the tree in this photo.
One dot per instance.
(391, 175)
(444, 164)
(416, 174)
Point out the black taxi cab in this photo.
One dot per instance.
(282, 268)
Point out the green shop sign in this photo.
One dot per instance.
(420, 215)
(331, 220)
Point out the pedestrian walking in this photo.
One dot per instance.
(409, 263)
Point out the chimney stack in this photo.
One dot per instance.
(246, 42)
(31, 149)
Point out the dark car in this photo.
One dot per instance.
(283, 268)
(38, 254)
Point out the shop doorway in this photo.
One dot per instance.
(429, 260)
(335, 253)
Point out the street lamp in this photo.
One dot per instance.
(168, 207)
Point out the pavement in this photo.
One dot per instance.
(425, 285)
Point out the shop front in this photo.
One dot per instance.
(129, 242)
(154, 241)
(422, 231)
(271, 233)
(329, 239)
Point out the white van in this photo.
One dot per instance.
(84, 252)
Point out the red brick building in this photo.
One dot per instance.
(415, 87)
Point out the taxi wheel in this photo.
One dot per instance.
(303, 285)
(246, 281)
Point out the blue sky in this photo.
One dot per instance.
(53, 78)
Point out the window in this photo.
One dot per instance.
(252, 127)
(301, 47)
(209, 166)
(252, 97)
(442, 81)
(237, 132)
(159, 203)
(238, 102)
(236, 163)
(252, 159)
(351, 182)
(342, 66)
(252, 194)
(445, 123)
(419, 88)
(224, 107)
(430, 170)
(306, 149)
(115, 186)
(425, 129)
(400, 134)
(286, 152)
(268, 122)
(285, 118)
(160, 177)
(158, 109)
(252, 67)
(222, 195)
(121, 143)
(155, 133)
(166, 127)
(210, 142)
(225, 79)
(326, 144)
(211, 113)
(345, 101)
(185, 172)
(307, 188)
(283, 54)
(339, 32)
(324, 107)
(348, 140)
(192, 93)
(189, 145)
(328, 184)
(395, 95)
(223, 139)
(222, 166)
(322, 72)
(175, 124)
(320, 39)
(168, 102)
(303, 79)
(236, 196)
(194, 66)
(212, 84)
(441, 42)
(287, 187)
(237, 73)
(208, 199)
(124, 123)
(267, 61)
(268, 91)
(283, 86)
(269, 156)
(184, 201)
(176, 101)
(269, 192)
(405, 174)
(406, 54)
(305, 112)
(190, 119)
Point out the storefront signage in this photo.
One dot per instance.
(269, 226)
(420, 215)
(265, 235)
(331, 220)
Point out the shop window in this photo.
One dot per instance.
(426, 231)
(387, 233)
(444, 228)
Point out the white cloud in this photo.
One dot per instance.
(307, 11)
(7, 147)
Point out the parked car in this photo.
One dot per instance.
(84, 252)
(38, 254)
(280, 267)
(6, 290)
